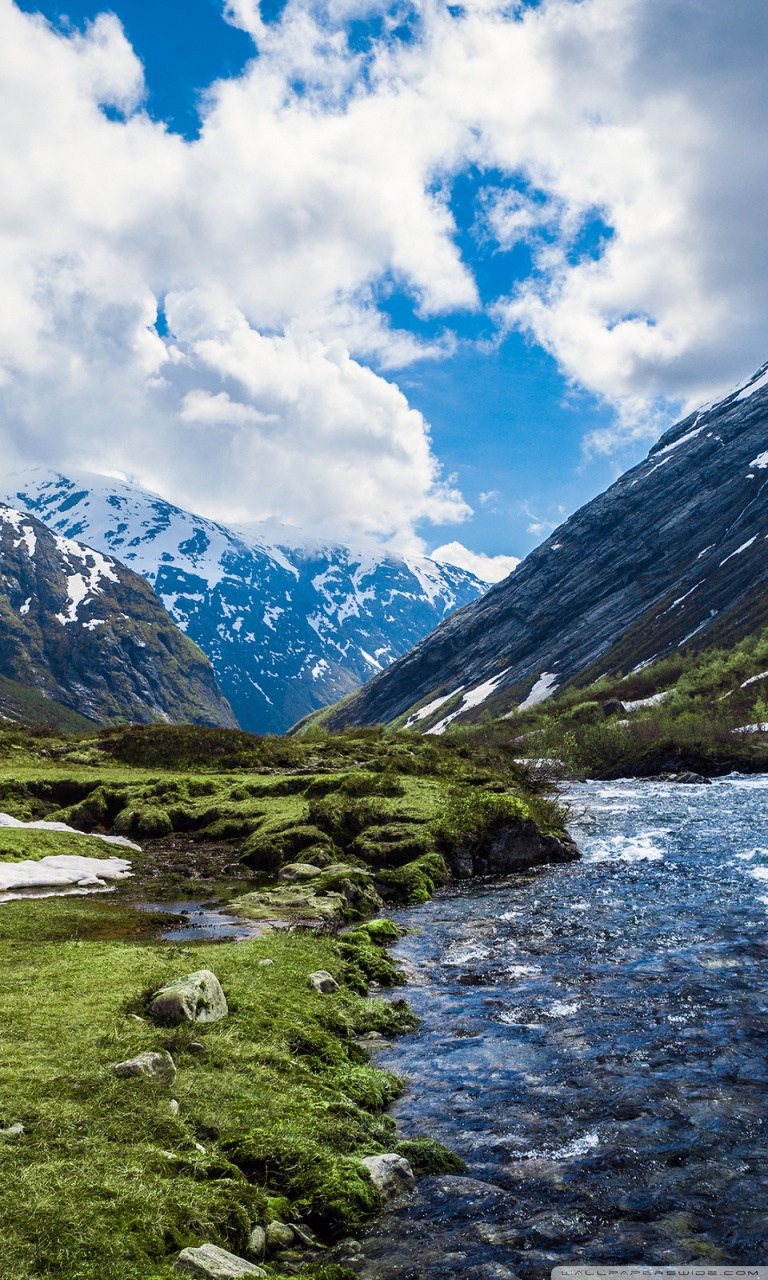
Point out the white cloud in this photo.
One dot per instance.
(270, 239)
(487, 568)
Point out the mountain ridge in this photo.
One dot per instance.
(81, 629)
(288, 628)
(673, 551)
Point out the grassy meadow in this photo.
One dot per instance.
(274, 1106)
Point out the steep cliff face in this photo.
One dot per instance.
(83, 630)
(288, 628)
(673, 554)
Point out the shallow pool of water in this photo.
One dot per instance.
(203, 922)
(594, 1043)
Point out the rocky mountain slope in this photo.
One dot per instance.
(288, 629)
(82, 630)
(672, 555)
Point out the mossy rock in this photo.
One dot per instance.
(415, 882)
(268, 850)
(147, 822)
(427, 1155)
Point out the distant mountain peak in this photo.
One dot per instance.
(289, 627)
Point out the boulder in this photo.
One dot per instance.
(257, 1242)
(514, 847)
(153, 1066)
(299, 871)
(304, 1235)
(279, 1236)
(391, 1175)
(13, 1130)
(197, 997)
(213, 1263)
(323, 982)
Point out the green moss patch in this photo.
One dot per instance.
(18, 844)
(108, 1181)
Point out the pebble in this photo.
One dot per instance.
(323, 982)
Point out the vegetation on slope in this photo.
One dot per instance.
(698, 710)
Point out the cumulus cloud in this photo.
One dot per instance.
(621, 140)
(486, 568)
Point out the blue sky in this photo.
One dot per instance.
(431, 275)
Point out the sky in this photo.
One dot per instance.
(425, 274)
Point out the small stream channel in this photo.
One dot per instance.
(594, 1043)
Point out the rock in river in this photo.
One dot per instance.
(213, 1263)
(391, 1175)
(154, 1066)
(197, 997)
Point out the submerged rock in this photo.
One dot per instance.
(213, 1263)
(197, 997)
(391, 1175)
(323, 981)
(153, 1066)
(514, 847)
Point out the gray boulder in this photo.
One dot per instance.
(197, 997)
(323, 982)
(152, 1066)
(257, 1242)
(391, 1175)
(213, 1263)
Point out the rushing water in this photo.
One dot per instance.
(594, 1043)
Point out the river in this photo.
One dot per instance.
(594, 1044)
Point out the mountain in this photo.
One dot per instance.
(83, 631)
(672, 555)
(288, 629)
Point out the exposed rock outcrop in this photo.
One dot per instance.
(515, 847)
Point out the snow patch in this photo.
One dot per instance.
(738, 551)
(429, 707)
(751, 387)
(471, 699)
(652, 701)
(61, 870)
(761, 461)
(544, 687)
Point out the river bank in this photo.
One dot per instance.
(592, 1043)
(268, 1114)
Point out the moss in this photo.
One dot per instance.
(427, 1155)
(415, 882)
(114, 1183)
(19, 845)
(266, 851)
(476, 814)
(366, 959)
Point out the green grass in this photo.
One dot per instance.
(18, 845)
(106, 1181)
(709, 695)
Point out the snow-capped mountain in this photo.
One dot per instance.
(288, 629)
(85, 632)
(674, 554)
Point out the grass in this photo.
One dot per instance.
(108, 1181)
(708, 696)
(18, 845)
